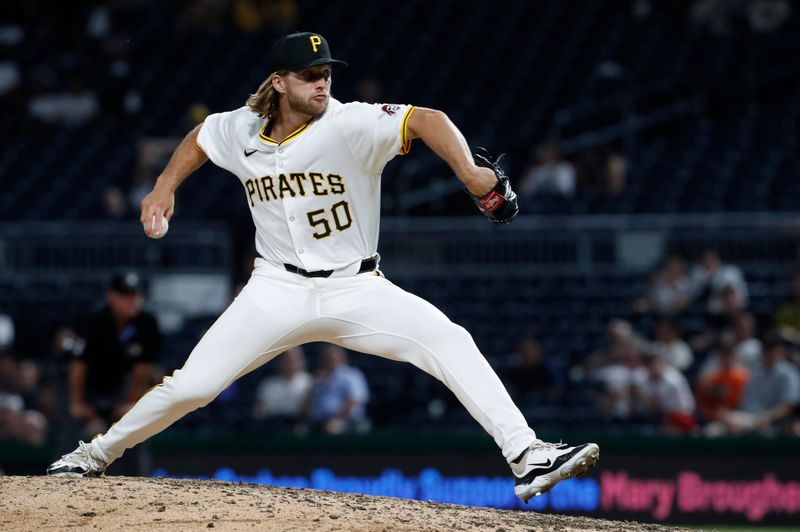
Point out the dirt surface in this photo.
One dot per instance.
(128, 503)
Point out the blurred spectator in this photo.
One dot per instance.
(721, 386)
(550, 175)
(602, 167)
(726, 17)
(719, 324)
(19, 395)
(9, 76)
(113, 352)
(19, 423)
(338, 395)
(731, 305)
(619, 336)
(667, 293)
(74, 108)
(770, 396)
(787, 317)
(615, 381)
(35, 392)
(748, 347)
(530, 372)
(98, 22)
(612, 370)
(283, 395)
(767, 15)
(722, 286)
(669, 346)
(746, 354)
(6, 332)
(662, 391)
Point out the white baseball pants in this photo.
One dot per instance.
(277, 310)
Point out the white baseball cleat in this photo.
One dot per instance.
(82, 462)
(546, 464)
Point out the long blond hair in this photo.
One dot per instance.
(264, 102)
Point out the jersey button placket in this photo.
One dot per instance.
(295, 231)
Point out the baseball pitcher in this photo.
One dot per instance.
(311, 171)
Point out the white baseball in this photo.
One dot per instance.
(158, 231)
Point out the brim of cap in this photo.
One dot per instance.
(321, 61)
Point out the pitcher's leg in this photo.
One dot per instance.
(244, 337)
(401, 326)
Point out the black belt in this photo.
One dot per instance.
(367, 265)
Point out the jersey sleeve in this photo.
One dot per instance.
(375, 133)
(216, 138)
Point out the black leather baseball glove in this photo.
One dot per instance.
(500, 204)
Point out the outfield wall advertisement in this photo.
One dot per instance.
(673, 489)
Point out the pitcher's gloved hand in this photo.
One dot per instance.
(500, 204)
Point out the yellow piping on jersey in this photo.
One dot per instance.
(263, 136)
(196, 145)
(405, 142)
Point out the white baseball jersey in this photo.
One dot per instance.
(315, 196)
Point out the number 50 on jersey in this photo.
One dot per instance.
(267, 188)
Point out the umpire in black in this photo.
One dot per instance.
(112, 356)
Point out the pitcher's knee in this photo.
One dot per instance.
(451, 336)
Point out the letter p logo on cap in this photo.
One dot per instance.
(315, 41)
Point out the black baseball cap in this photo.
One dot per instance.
(125, 283)
(300, 50)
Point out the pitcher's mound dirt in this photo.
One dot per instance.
(128, 503)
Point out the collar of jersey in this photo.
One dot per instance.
(293, 135)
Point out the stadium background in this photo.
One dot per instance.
(679, 119)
